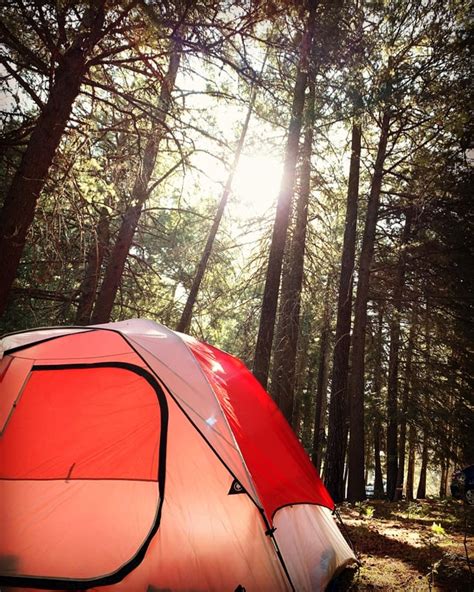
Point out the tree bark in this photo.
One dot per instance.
(321, 398)
(286, 346)
(442, 481)
(379, 492)
(186, 316)
(310, 398)
(123, 243)
(403, 417)
(94, 260)
(411, 462)
(19, 207)
(356, 486)
(421, 492)
(301, 413)
(322, 383)
(443, 488)
(392, 386)
(261, 363)
(338, 415)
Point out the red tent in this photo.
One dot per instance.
(135, 458)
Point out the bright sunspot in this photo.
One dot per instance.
(256, 184)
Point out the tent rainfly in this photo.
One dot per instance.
(134, 458)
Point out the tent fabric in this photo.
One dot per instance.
(311, 566)
(207, 539)
(134, 458)
(278, 464)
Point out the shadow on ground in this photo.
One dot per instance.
(402, 553)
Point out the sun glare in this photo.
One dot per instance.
(256, 184)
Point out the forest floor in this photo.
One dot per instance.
(412, 546)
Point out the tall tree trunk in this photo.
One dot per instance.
(321, 394)
(443, 488)
(261, 363)
(118, 256)
(19, 207)
(338, 415)
(310, 398)
(356, 487)
(411, 462)
(322, 381)
(421, 492)
(302, 400)
(442, 481)
(346, 473)
(446, 478)
(393, 363)
(94, 259)
(368, 454)
(284, 365)
(379, 492)
(377, 431)
(403, 416)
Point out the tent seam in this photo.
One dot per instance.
(237, 447)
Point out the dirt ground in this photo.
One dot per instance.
(412, 546)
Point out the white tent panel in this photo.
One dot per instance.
(311, 545)
(174, 364)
